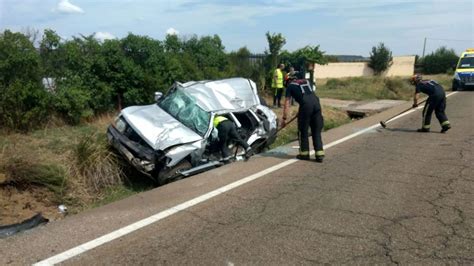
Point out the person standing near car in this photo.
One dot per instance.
(436, 102)
(227, 132)
(277, 85)
(289, 77)
(309, 115)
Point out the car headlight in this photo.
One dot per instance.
(120, 125)
(456, 76)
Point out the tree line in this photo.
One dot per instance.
(81, 77)
(78, 78)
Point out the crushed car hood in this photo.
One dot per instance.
(234, 94)
(158, 128)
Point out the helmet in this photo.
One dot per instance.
(415, 79)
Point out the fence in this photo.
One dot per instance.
(257, 59)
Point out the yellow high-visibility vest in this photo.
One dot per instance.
(218, 119)
(279, 81)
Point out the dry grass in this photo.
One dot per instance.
(333, 117)
(95, 163)
(365, 88)
(101, 122)
(73, 162)
(22, 173)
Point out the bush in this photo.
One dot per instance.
(334, 84)
(95, 163)
(380, 59)
(440, 61)
(23, 106)
(23, 101)
(72, 103)
(19, 60)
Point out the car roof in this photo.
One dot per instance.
(221, 96)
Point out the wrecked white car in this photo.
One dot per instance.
(175, 138)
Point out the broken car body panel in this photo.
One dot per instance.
(218, 96)
(158, 128)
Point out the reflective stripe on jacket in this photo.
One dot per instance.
(218, 119)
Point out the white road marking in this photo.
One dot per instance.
(163, 214)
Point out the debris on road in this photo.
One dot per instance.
(8, 230)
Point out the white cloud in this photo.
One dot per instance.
(64, 6)
(102, 36)
(172, 31)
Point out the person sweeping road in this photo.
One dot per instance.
(309, 115)
(436, 102)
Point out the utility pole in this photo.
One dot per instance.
(424, 47)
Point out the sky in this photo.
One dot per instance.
(338, 26)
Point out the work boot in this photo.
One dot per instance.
(302, 157)
(445, 128)
(226, 160)
(319, 158)
(248, 153)
(423, 129)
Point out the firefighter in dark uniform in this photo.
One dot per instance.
(436, 102)
(309, 115)
(227, 132)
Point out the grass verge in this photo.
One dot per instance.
(333, 117)
(365, 88)
(74, 163)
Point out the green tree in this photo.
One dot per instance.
(307, 55)
(209, 55)
(173, 44)
(23, 100)
(440, 61)
(240, 63)
(18, 59)
(276, 41)
(380, 58)
(50, 52)
(72, 100)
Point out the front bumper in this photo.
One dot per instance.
(140, 157)
(461, 85)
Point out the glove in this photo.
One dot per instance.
(414, 105)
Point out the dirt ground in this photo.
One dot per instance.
(17, 205)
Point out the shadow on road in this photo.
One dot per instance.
(401, 129)
(409, 130)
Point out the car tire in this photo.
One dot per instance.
(259, 147)
(171, 174)
(455, 86)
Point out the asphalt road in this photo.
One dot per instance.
(388, 196)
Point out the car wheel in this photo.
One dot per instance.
(455, 86)
(259, 147)
(171, 174)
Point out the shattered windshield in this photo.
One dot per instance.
(183, 108)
